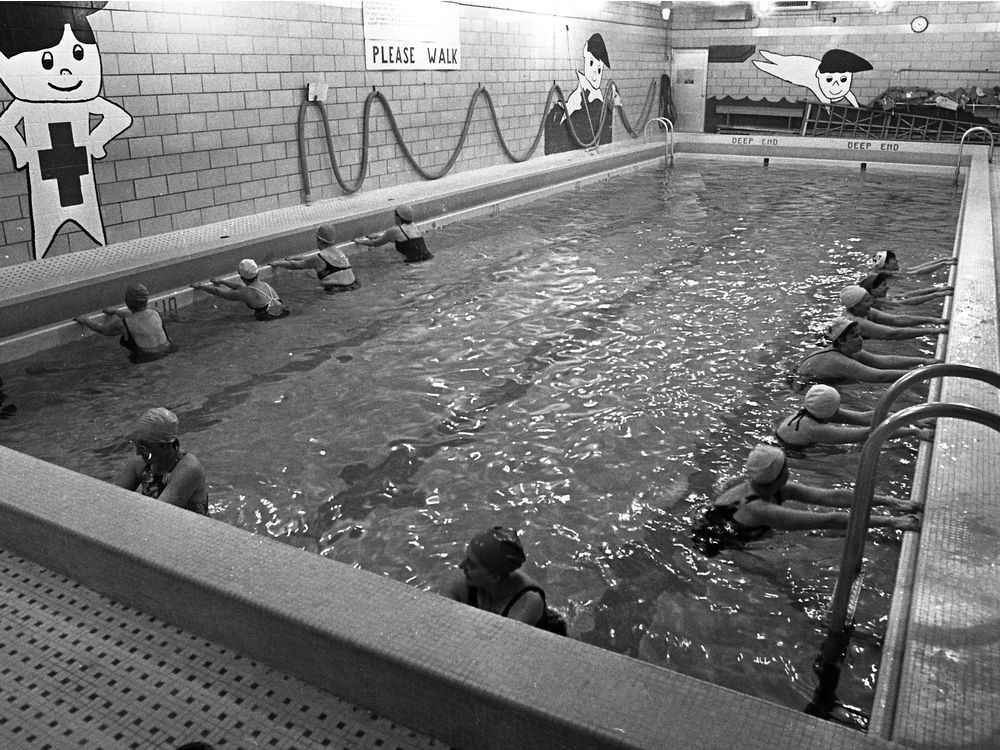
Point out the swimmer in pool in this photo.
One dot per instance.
(878, 324)
(490, 579)
(332, 267)
(877, 285)
(258, 295)
(405, 233)
(821, 420)
(160, 469)
(755, 505)
(845, 360)
(140, 328)
(886, 260)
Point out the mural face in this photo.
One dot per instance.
(585, 107)
(829, 78)
(50, 63)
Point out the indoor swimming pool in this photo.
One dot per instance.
(587, 369)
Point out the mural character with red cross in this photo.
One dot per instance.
(50, 63)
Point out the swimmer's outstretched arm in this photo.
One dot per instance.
(903, 319)
(380, 238)
(791, 519)
(111, 325)
(892, 361)
(226, 292)
(296, 264)
(840, 498)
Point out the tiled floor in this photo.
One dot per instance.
(78, 670)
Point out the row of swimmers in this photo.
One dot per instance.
(753, 505)
(141, 328)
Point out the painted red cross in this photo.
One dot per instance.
(65, 163)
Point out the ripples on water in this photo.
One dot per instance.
(586, 369)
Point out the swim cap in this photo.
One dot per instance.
(822, 401)
(498, 550)
(852, 295)
(879, 260)
(247, 269)
(157, 425)
(405, 212)
(836, 329)
(765, 463)
(136, 295)
(327, 234)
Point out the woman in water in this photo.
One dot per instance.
(258, 295)
(755, 505)
(332, 267)
(405, 233)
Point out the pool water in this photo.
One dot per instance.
(587, 369)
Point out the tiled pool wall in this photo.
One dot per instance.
(461, 675)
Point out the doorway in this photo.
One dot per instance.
(689, 78)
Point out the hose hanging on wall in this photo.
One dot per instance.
(479, 92)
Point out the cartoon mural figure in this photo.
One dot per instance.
(585, 106)
(50, 63)
(829, 79)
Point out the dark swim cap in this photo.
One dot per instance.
(498, 550)
(136, 295)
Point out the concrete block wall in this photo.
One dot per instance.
(214, 90)
(959, 47)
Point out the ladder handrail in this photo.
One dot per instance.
(669, 127)
(838, 627)
(961, 146)
(939, 370)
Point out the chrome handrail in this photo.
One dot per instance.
(961, 146)
(839, 626)
(939, 370)
(669, 127)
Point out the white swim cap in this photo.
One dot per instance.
(247, 269)
(765, 463)
(822, 401)
(852, 295)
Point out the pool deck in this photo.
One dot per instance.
(165, 627)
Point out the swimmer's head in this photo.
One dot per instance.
(876, 284)
(326, 235)
(765, 464)
(156, 427)
(835, 330)
(498, 551)
(136, 297)
(854, 296)
(404, 211)
(884, 260)
(822, 401)
(247, 269)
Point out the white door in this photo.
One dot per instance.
(688, 83)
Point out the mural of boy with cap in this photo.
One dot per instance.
(258, 295)
(332, 267)
(490, 578)
(140, 327)
(846, 361)
(159, 468)
(830, 78)
(585, 109)
(877, 324)
(755, 505)
(50, 63)
(404, 232)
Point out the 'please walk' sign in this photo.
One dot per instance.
(411, 35)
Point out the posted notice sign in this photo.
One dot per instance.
(411, 35)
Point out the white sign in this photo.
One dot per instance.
(411, 35)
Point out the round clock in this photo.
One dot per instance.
(918, 24)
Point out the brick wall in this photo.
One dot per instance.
(214, 90)
(961, 46)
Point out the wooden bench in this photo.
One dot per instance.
(761, 110)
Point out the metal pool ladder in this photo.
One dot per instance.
(669, 127)
(961, 146)
(840, 623)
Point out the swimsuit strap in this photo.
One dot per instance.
(799, 416)
(519, 594)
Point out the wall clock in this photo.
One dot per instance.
(918, 24)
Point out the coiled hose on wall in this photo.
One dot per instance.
(480, 91)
